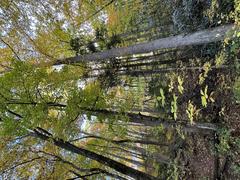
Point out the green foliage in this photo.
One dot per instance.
(31, 95)
(224, 138)
(161, 98)
(180, 85)
(206, 69)
(220, 59)
(188, 15)
(174, 106)
(173, 171)
(158, 130)
(77, 45)
(221, 12)
(171, 85)
(81, 45)
(35, 95)
(204, 96)
(236, 169)
(192, 112)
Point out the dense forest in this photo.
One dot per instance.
(119, 89)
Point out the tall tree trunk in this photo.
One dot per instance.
(133, 162)
(84, 170)
(145, 73)
(200, 37)
(202, 128)
(121, 168)
(122, 141)
(120, 149)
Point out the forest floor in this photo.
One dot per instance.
(203, 157)
(208, 156)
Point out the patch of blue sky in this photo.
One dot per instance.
(58, 67)
(103, 17)
(81, 84)
(87, 29)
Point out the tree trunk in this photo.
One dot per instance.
(121, 168)
(144, 73)
(128, 160)
(84, 170)
(120, 149)
(202, 128)
(200, 37)
(122, 141)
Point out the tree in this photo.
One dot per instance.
(56, 123)
(201, 37)
(109, 162)
(38, 105)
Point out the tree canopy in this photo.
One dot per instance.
(113, 89)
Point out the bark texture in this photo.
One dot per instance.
(199, 37)
(121, 168)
